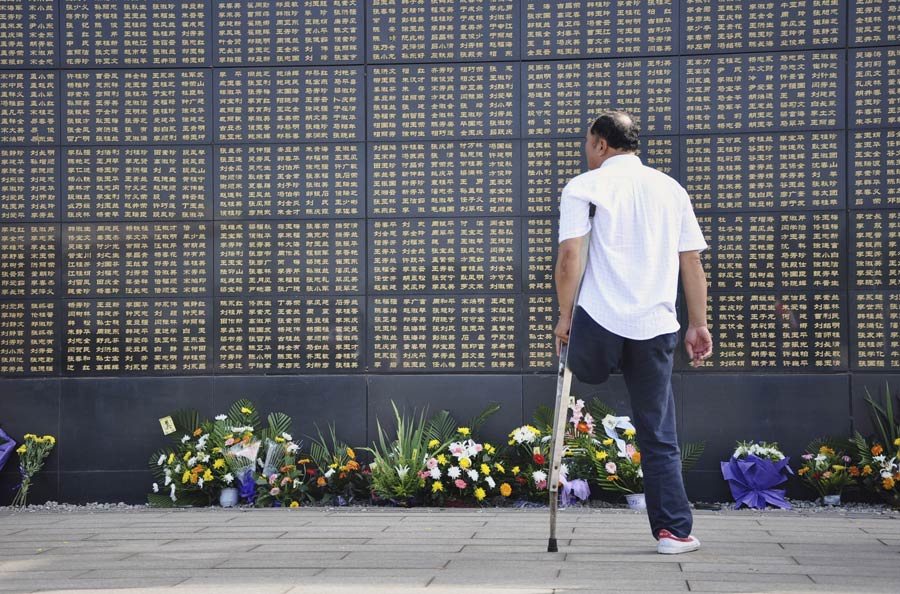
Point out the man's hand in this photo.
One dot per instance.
(562, 332)
(698, 343)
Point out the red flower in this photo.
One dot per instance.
(538, 459)
(311, 471)
(521, 480)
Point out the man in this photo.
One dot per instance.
(643, 232)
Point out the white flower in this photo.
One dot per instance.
(490, 481)
(524, 435)
(435, 473)
(640, 472)
(185, 439)
(886, 474)
(228, 478)
(192, 460)
(168, 480)
(473, 475)
(880, 458)
(563, 470)
(291, 448)
(201, 443)
(539, 475)
(162, 460)
(329, 473)
(401, 470)
(178, 467)
(221, 417)
(200, 482)
(205, 458)
(155, 488)
(453, 472)
(172, 492)
(287, 436)
(821, 458)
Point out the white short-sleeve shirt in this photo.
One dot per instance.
(643, 220)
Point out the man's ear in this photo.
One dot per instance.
(601, 145)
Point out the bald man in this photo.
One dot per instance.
(643, 234)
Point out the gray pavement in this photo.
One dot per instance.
(331, 551)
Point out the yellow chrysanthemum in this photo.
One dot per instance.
(602, 455)
(465, 463)
(488, 446)
(21, 449)
(198, 432)
(803, 471)
(279, 439)
(826, 450)
(295, 504)
(442, 459)
(351, 454)
(608, 441)
(897, 442)
(50, 438)
(220, 463)
(613, 477)
(463, 430)
(216, 450)
(436, 486)
(505, 490)
(867, 470)
(187, 456)
(485, 469)
(38, 440)
(499, 468)
(888, 484)
(434, 443)
(171, 458)
(515, 470)
(246, 410)
(208, 475)
(333, 466)
(30, 436)
(838, 467)
(630, 432)
(479, 494)
(186, 476)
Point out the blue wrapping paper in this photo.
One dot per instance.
(753, 480)
(6, 448)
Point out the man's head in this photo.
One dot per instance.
(613, 133)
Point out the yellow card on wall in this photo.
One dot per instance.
(168, 425)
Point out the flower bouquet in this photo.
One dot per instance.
(617, 460)
(465, 474)
(753, 472)
(526, 458)
(7, 445)
(399, 462)
(32, 454)
(826, 471)
(340, 479)
(879, 465)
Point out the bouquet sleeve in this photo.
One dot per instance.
(6, 448)
(753, 480)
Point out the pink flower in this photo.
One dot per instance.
(629, 451)
(460, 484)
(273, 478)
(285, 480)
(845, 458)
(229, 441)
(610, 467)
(541, 485)
(275, 491)
(807, 456)
(826, 474)
(423, 474)
(432, 462)
(456, 450)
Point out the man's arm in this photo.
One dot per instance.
(569, 265)
(697, 340)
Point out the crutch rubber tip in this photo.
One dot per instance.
(551, 546)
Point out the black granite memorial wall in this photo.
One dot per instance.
(324, 206)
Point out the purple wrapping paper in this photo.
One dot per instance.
(572, 490)
(6, 448)
(753, 481)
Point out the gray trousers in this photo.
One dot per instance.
(594, 352)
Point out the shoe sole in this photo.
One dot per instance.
(664, 550)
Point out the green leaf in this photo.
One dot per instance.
(278, 423)
(186, 422)
(476, 422)
(238, 418)
(690, 453)
(543, 419)
(599, 409)
(441, 427)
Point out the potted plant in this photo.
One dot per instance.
(826, 470)
(753, 474)
(879, 458)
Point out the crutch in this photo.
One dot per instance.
(560, 412)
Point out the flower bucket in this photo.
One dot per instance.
(228, 497)
(636, 501)
(831, 499)
(752, 481)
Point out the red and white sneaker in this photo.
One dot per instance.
(669, 544)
